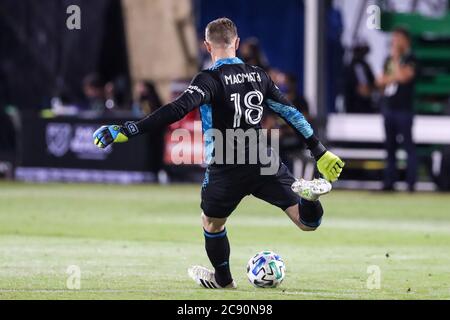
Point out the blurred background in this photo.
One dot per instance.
(61, 78)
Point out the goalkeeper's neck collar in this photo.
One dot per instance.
(223, 61)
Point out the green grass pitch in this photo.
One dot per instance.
(136, 242)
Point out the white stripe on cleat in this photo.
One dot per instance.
(206, 279)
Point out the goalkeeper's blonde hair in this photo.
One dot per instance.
(221, 32)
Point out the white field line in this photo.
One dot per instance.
(390, 225)
(349, 294)
(374, 224)
(160, 291)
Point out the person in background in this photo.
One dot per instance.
(359, 82)
(297, 99)
(147, 101)
(289, 141)
(116, 94)
(7, 133)
(397, 83)
(251, 53)
(94, 92)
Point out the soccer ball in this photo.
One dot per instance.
(266, 270)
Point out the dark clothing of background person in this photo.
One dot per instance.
(252, 53)
(148, 101)
(397, 108)
(359, 82)
(7, 133)
(94, 93)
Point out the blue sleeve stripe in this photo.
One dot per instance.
(206, 116)
(293, 116)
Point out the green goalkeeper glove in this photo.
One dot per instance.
(106, 135)
(330, 166)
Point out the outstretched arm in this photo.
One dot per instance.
(198, 93)
(329, 165)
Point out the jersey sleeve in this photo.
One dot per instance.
(198, 93)
(278, 103)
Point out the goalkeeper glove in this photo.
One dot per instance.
(106, 135)
(330, 166)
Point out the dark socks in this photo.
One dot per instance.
(311, 213)
(218, 250)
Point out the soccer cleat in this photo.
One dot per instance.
(206, 279)
(311, 190)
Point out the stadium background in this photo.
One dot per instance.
(58, 85)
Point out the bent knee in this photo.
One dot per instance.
(213, 225)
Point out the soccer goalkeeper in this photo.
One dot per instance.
(231, 96)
